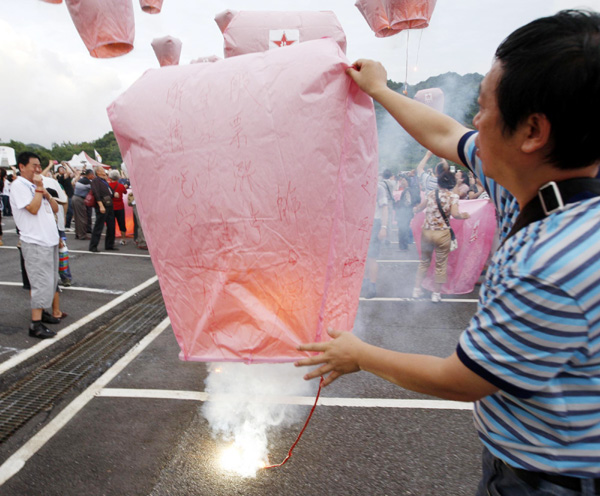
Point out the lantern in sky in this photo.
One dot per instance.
(106, 26)
(433, 97)
(260, 225)
(250, 32)
(151, 6)
(389, 17)
(52, 1)
(167, 50)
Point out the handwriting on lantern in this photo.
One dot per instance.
(239, 138)
(243, 172)
(287, 203)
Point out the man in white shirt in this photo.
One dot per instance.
(33, 210)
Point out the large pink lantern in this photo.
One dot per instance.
(250, 32)
(151, 6)
(389, 17)
(167, 50)
(259, 226)
(433, 97)
(106, 26)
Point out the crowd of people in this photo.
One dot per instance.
(436, 189)
(44, 203)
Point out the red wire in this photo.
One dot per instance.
(301, 432)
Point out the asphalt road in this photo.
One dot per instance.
(140, 427)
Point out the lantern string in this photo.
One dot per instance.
(419, 47)
(406, 72)
(302, 431)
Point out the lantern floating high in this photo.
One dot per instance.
(389, 17)
(167, 50)
(106, 27)
(151, 6)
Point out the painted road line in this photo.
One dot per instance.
(398, 261)
(42, 345)
(285, 400)
(111, 254)
(444, 300)
(73, 288)
(18, 459)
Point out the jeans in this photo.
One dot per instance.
(499, 480)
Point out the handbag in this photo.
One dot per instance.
(453, 240)
(90, 199)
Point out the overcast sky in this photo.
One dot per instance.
(52, 91)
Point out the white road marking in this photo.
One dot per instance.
(17, 461)
(73, 288)
(110, 253)
(423, 300)
(286, 400)
(42, 345)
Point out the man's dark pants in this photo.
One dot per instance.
(107, 217)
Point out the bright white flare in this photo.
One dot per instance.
(243, 459)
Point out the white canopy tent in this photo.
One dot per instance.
(7, 156)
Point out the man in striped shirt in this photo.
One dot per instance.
(530, 357)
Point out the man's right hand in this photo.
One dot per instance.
(370, 76)
(37, 180)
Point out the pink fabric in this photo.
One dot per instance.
(250, 32)
(105, 26)
(167, 50)
(433, 97)
(389, 17)
(151, 6)
(475, 236)
(255, 180)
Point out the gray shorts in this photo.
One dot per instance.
(41, 263)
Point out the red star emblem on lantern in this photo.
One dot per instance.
(284, 41)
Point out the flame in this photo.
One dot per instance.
(243, 459)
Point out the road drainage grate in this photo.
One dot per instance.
(95, 353)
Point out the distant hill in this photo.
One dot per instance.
(397, 150)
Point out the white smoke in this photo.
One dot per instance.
(247, 402)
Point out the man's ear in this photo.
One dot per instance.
(535, 133)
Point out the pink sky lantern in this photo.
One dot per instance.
(389, 17)
(151, 6)
(167, 50)
(52, 1)
(250, 32)
(268, 194)
(474, 235)
(106, 26)
(433, 97)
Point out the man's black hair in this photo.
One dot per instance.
(446, 180)
(387, 174)
(552, 66)
(24, 157)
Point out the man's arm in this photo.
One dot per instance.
(435, 131)
(421, 167)
(446, 378)
(40, 193)
(50, 164)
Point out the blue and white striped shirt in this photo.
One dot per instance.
(536, 335)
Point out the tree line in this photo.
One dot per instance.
(106, 146)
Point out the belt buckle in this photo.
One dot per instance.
(551, 192)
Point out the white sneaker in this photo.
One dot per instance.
(436, 297)
(417, 293)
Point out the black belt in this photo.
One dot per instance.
(535, 478)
